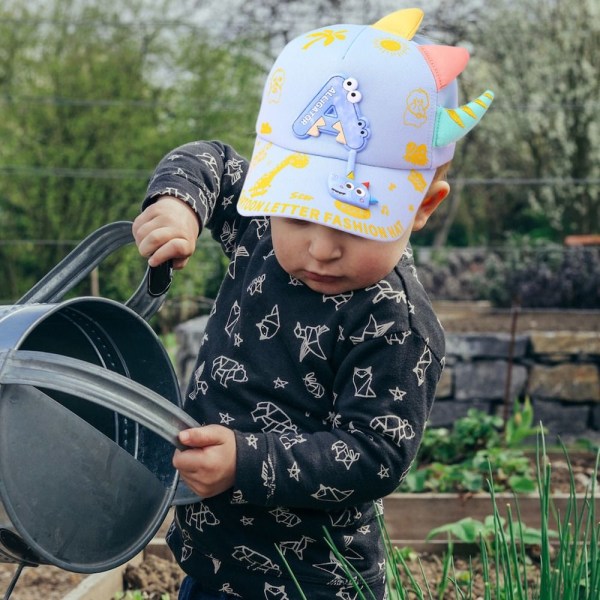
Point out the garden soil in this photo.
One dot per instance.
(158, 576)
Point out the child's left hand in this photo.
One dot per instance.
(208, 464)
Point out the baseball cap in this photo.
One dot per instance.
(354, 121)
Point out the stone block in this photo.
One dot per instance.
(565, 342)
(569, 382)
(188, 338)
(492, 345)
(444, 387)
(445, 412)
(486, 379)
(560, 418)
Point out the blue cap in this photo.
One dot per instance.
(353, 124)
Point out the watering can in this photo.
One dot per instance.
(90, 409)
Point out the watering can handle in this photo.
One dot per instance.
(87, 255)
(98, 385)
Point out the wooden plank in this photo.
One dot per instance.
(410, 517)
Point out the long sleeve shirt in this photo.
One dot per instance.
(328, 397)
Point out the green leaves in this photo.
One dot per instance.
(461, 459)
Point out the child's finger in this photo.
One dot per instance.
(200, 437)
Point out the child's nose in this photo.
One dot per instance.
(325, 245)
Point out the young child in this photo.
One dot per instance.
(320, 361)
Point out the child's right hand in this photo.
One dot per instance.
(167, 229)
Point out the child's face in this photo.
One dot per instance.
(330, 261)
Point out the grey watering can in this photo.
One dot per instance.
(90, 409)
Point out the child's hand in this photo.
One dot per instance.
(167, 229)
(208, 465)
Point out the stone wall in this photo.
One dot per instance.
(559, 371)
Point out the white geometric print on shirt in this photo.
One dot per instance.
(228, 237)
(362, 380)
(234, 169)
(344, 454)
(395, 338)
(270, 325)
(333, 567)
(294, 471)
(227, 589)
(233, 318)
(372, 330)
(286, 517)
(310, 340)
(273, 419)
(226, 369)
(268, 476)
(423, 365)
(339, 300)
(397, 394)
(289, 439)
(199, 384)
(211, 164)
(349, 553)
(386, 292)
(238, 498)
(384, 472)
(313, 386)
(393, 427)
(187, 548)
(345, 517)
(216, 563)
(172, 191)
(226, 418)
(199, 515)
(330, 494)
(262, 225)
(296, 546)
(254, 560)
(241, 251)
(256, 284)
(275, 592)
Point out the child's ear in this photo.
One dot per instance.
(436, 194)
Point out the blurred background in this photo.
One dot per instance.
(93, 94)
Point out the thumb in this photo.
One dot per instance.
(200, 437)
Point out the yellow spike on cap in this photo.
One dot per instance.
(404, 23)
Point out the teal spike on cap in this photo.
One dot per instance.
(453, 123)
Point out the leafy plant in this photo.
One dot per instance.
(457, 460)
(472, 531)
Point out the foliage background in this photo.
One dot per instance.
(93, 95)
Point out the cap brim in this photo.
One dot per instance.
(291, 184)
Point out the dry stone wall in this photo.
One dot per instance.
(559, 371)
